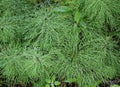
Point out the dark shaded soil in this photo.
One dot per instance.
(116, 81)
(107, 83)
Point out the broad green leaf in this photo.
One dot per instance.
(114, 86)
(47, 85)
(93, 84)
(75, 26)
(83, 24)
(63, 9)
(52, 85)
(70, 1)
(70, 80)
(57, 83)
(77, 16)
(48, 81)
(35, 84)
(53, 78)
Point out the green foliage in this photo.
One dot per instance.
(71, 8)
(51, 82)
(37, 43)
(114, 86)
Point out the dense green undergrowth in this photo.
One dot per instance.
(37, 42)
